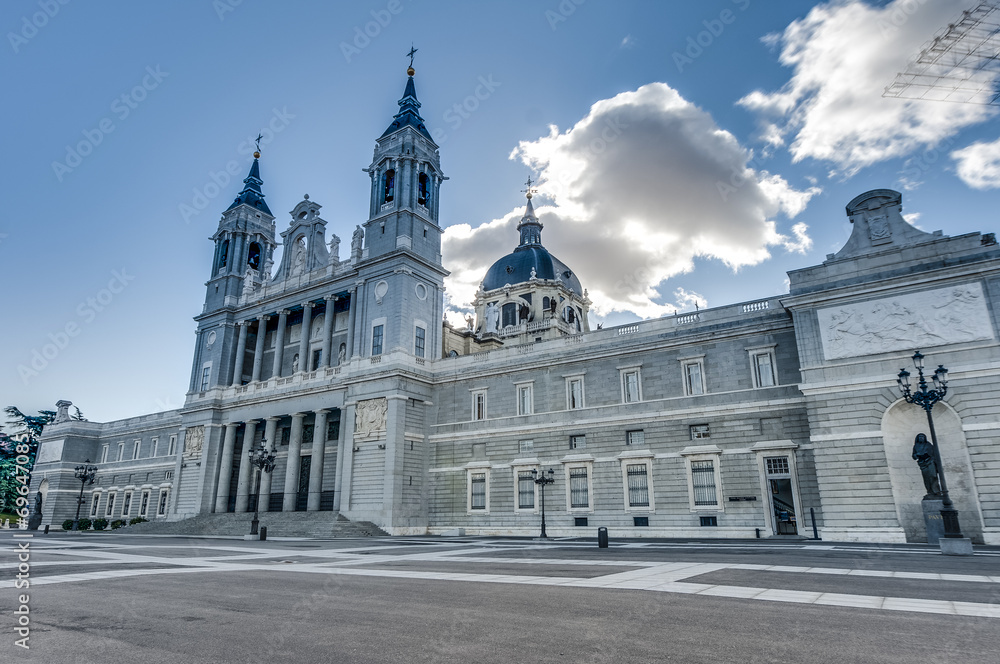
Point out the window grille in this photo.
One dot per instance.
(703, 480)
(479, 491)
(638, 485)
(579, 494)
(525, 490)
(777, 465)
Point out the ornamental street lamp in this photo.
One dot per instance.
(926, 398)
(542, 481)
(263, 458)
(86, 474)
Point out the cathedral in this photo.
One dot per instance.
(775, 417)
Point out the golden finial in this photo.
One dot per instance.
(256, 154)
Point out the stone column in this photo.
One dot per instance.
(292, 465)
(352, 318)
(345, 456)
(243, 487)
(258, 353)
(241, 351)
(279, 344)
(270, 429)
(304, 360)
(328, 317)
(316, 469)
(225, 469)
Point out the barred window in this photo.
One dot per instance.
(478, 482)
(636, 437)
(93, 505)
(525, 490)
(638, 485)
(703, 481)
(777, 465)
(161, 508)
(579, 488)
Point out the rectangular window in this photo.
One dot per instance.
(710, 521)
(478, 483)
(161, 507)
(630, 386)
(635, 437)
(144, 504)
(168, 475)
(763, 369)
(111, 505)
(479, 405)
(574, 393)
(638, 485)
(694, 383)
(377, 340)
(136, 448)
(777, 466)
(699, 431)
(577, 442)
(526, 446)
(171, 446)
(419, 341)
(286, 435)
(333, 426)
(317, 359)
(121, 451)
(579, 488)
(640, 521)
(104, 454)
(206, 373)
(127, 504)
(703, 481)
(156, 446)
(525, 490)
(524, 400)
(93, 504)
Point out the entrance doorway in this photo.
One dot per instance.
(779, 482)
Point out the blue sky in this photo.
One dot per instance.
(636, 117)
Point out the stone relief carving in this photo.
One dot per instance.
(943, 316)
(878, 226)
(370, 416)
(194, 440)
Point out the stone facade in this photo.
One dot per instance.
(725, 422)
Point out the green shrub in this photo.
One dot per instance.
(117, 523)
(137, 519)
(85, 524)
(100, 524)
(68, 524)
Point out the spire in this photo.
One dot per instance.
(251, 194)
(409, 113)
(530, 227)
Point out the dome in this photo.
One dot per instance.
(515, 268)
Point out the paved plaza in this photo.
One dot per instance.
(120, 598)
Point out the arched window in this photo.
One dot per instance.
(509, 314)
(390, 185)
(253, 256)
(224, 253)
(545, 304)
(422, 190)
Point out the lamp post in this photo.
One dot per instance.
(926, 397)
(263, 458)
(86, 474)
(542, 480)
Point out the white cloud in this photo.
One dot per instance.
(979, 165)
(843, 55)
(627, 42)
(636, 190)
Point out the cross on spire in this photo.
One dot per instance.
(529, 191)
(412, 51)
(259, 136)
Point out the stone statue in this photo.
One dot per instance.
(299, 257)
(266, 274)
(492, 318)
(295, 363)
(356, 240)
(342, 355)
(248, 282)
(534, 275)
(334, 249)
(923, 453)
(35, 520)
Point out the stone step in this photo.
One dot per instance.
(279, 524)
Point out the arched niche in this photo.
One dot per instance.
(900, 425)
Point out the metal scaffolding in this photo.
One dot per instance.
(961, 64)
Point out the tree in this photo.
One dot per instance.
(23, 445)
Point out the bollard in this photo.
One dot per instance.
(263, 533)
(46, 529)
(812, 515)
(758, 532)
(602, 537)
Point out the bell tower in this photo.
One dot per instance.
(406, 179)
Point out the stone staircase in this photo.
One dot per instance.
(318, 525)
